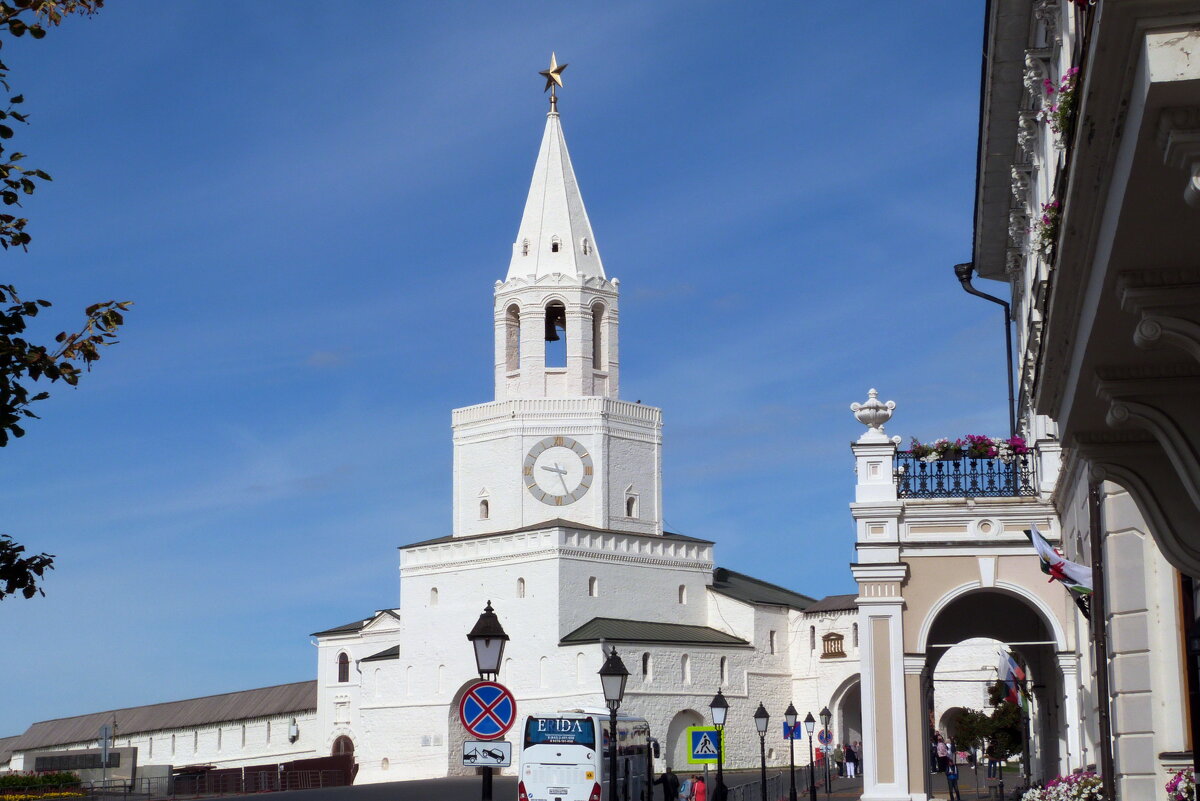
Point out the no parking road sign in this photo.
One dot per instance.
(487, 710)
(824, 737)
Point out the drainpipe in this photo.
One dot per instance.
(963, 272)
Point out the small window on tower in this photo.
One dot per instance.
(343, 668)
(512, 338)
(631, 506)
(555, 245)
(593, 587)
(433, 596)
(587, 247)
(483, 510)
(525, 247)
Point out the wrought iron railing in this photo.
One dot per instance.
(962, 476)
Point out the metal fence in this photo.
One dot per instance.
(752, 791)
(210, 783)
(964, 477)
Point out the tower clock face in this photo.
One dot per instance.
(558, 471)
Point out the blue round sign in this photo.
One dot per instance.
(487, 710)
(824, 737)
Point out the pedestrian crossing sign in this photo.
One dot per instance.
(702, 745)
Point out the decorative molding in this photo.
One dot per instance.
(1036, 73)
(1018, 228)
(914, 664)
(1047, 12)
(1028, 133)
(1020, 185)
(1179, 138)
(873, 414)
(1154, 330)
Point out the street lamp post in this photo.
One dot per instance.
(718, 707)
(809, 724)
(612, 680)
(790, 716)
(489, 639)
(761, 719)
(826, 715)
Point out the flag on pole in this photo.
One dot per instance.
(1076, 577)
(1013, 676)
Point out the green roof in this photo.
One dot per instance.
(756, 591)
(611, 629)
(387, 653)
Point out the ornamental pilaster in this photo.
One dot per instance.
(1179, 138)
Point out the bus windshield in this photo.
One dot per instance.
(560, 731)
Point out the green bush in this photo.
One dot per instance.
(38, 779)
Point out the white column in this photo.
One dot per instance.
(1069, 717)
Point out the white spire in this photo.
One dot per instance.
(555, 235)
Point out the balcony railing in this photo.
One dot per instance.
(965, 477)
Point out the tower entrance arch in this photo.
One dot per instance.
(943, 558)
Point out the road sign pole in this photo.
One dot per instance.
(487, 784)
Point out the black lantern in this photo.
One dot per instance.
(761, 719)
(826, 716)
(489, 638)
(612, 679)
(810, 723)
(790, 715)
(718, 706)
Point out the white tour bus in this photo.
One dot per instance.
(565, 757)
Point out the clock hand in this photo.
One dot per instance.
(555, 469)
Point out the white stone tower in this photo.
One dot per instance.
(556, 443)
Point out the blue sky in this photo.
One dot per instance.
(309, 210)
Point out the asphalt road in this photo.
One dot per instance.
(504, 788)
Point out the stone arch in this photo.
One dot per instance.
(846, 703)
(677, 745)
(1015, 591)
(949, 722)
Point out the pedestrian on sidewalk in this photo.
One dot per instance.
(839, 759)
(699, 791)
(670, 785)
(685, 789)
(952, 781)
(943, 754)
(851, 756)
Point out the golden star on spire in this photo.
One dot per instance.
(553, 76)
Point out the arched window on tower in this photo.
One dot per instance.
(433, 596)
(598, 336)
(685, 669)
(556, 334)
(586, 246)
(520, 588)
(343, 667)
(484, 509)
(683, 593)
(512, 338)
(555, 244)
(524, 247)
(593, 586)
(812, 638)
(631, 505)
(647, 668)
(724, 670)
(854, 635)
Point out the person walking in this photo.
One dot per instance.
(839, 759)
(670, 785)
(943, 754)
(685, 789)
(952, 780)
(699, 791)
(851, 757)
(993, 762)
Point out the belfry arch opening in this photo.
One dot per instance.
(599, 360)
(556, 334)
(512, 338)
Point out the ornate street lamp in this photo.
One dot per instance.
(718, 707)
(790, 715)
(612, 680)
(489, 639)
(826, 715)
(810, 723)
(761, 720)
